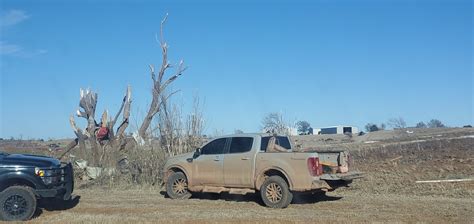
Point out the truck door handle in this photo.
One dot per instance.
(245, 158)
(216, 159)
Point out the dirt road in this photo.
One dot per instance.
(140, 206)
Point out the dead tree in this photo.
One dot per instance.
(100, 136)
(178, 135)
(159, 85)
(397, 123)
(275, 124)
(195, 125)
(117, 139)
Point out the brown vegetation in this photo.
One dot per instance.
(392, 161)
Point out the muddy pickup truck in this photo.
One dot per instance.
(26, 178)
(249, 163)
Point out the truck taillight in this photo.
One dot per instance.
(314, 167)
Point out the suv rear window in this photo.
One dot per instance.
(280, 140)
(241, 144)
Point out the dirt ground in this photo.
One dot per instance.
(150, 206)
(392, 161)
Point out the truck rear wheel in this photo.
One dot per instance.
(275, 192)
(177, 186)
(18, 203)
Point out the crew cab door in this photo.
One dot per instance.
(208, 167)
(239, 163)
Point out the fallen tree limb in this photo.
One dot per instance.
(444, 181)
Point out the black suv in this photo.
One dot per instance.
(26, 178)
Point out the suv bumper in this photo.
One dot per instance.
(64, 188)
(51, 193)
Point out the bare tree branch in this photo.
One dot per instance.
(125, 100)
(152, 71)
(77, 141)
(181, 68)
(104, 119)
(161, 27)
(80, 113)
(158, 86)
(164, 99)
(74, 126)
(126, 113)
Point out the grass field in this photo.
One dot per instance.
(392, 162)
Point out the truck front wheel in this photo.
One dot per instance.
(177, 186)
(18, 203)
(275, 192)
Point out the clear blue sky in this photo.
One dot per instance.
(327, 62)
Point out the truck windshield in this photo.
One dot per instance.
(280, 140)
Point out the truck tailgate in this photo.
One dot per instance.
(334, 161)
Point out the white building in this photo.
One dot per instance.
(339, 129)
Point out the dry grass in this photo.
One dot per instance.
(387, 194)
(395, 168)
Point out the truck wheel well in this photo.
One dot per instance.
(176, 169)
(15, 182)
(173, 170)
(269, 173)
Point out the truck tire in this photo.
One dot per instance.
(177, 186)
(17, 203)
(275, 192)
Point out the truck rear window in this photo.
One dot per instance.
(280, 140)
(241, 144)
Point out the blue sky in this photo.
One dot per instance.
(327, 62)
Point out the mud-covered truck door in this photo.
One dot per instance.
(239, 162)
(208, 168)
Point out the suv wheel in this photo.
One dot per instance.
(17, 203)
(275, 192)
(177, 186)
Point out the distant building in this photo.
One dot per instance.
(340, 129)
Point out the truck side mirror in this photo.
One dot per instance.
(197, 153)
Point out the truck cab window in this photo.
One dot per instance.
(215, 147)
(241, 144)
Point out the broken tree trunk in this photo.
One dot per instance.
(88, 103)
(100, 136)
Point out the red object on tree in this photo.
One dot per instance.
(102, 133)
